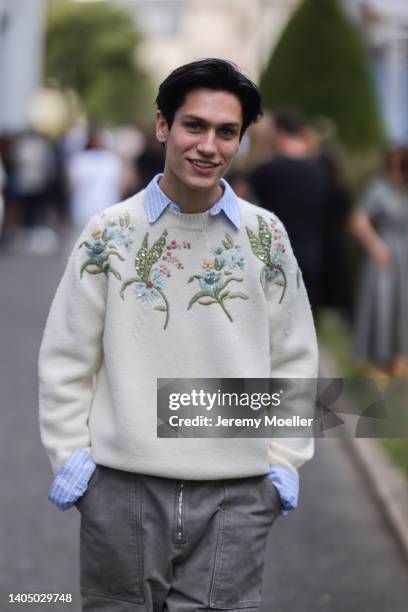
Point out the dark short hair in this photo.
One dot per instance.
(290, 120)
(209, 73)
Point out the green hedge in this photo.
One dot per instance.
(92, 48)
(321, 65)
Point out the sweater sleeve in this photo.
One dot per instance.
(71, 350)
(293, 349)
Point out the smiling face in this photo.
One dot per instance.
(201, 143)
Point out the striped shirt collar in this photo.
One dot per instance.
(156, 201)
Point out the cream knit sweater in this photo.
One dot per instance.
(189, 296)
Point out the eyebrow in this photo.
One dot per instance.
(231, 124)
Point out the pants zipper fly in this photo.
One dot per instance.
(180, 512)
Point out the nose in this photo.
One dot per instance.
(207, 144)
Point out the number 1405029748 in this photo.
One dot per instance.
(47, 598)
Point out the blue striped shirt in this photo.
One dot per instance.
(156, 201)
(72, 479)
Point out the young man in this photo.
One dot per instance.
(183, 280)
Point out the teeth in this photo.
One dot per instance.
(204, 164)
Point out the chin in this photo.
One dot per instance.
(202, 182)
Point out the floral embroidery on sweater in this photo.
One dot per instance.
(103, 245)
(268, 246)
(120, 230)
(149, 282)
(217, 275)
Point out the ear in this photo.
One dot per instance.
(162, 129)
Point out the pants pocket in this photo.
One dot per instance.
(91, 484)
(273, 491)
(245, 520)
(111, 545)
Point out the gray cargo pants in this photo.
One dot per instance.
(152, 544)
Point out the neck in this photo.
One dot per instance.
(190, 201)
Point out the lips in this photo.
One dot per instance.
(202, 166)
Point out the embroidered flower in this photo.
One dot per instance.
(97, 250)
(208, 265)
(148, 291)
(218, 276)
(228, 255)
(157, 279)
(211, 280)
(96, 233)
(100, 249)
(232, 259)
(271, 273)
(119, 231)
(217, 250)
(149, 282)
(124, 238)
(268, 247)
(170, 258)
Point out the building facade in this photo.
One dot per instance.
(21, 52)
(385, 24)
(177, 31)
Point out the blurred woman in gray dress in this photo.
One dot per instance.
(380, 223)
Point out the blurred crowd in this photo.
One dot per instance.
(285, 164)
(49, 185)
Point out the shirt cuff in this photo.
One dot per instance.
(287, 483)
(71, 480)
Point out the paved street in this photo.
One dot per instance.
(334, 554)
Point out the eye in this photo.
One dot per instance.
(227, 132)
(193, 126)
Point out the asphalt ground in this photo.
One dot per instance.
(335, 553)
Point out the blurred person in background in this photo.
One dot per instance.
(128, 142)
(11, 217)
(257, 144)
(337, 270)
(294, 185)
(33, 178)
(336, 287)
(74, 139)
(256, 147)
(380, 224)
(150, 161)
(94, 179)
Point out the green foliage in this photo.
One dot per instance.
(336, 340)
(321, 65)
(336, 337)
(91, 48)
(398, 450)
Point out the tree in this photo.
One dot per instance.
(321, 66)
(91, 48)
